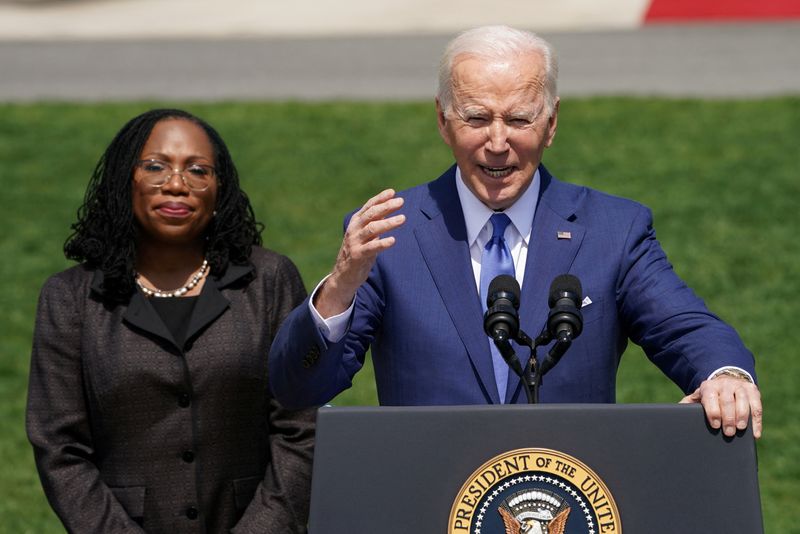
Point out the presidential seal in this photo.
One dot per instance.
(534, 491)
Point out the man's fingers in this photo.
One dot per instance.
(379, 211)
(730, 404)
(751, 408)
(729, 415)
(711, 405)
(383, 196)
(375, 229)
(742, 408)
(692, 397)
(756, 413)
(379, 206)
(377, 245)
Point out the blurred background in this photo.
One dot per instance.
(691, 107)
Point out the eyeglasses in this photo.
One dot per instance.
(197, 177)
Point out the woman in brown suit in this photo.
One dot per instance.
(148, 405)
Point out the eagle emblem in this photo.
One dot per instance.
(534, 491)
(534, 512)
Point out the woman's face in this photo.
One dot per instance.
(173, 213)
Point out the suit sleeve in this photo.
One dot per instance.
(281, 502)
(665, 317)
(58, 422)
(308, 370)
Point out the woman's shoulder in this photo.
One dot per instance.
(77, 276)
(274, 266)
(67, 289)
(264, 258)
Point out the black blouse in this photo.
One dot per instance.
(175, 312)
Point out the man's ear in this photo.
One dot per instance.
(441, 121)
(552, 124)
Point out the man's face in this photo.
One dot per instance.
(498, 126)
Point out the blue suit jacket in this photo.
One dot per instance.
(421, 313)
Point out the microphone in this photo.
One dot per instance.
(565, 321)
(501, 320)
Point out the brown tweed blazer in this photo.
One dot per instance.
(132, 433)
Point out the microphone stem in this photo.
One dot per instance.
(531, 380)
(508, 354)
(530, 377)
(529, 392)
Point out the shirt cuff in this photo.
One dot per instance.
(333, 328)
(734, 371)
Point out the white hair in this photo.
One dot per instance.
(496, 42)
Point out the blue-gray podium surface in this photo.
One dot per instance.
(556, 469)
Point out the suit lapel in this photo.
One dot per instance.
(142, 315)
(442, 238)
(555, 241)
(212, 303)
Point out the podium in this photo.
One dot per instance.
(562, 469)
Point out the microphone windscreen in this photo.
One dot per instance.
(504, 283)
(565, 283)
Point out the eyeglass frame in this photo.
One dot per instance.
(171, 171)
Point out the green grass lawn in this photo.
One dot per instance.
(721, 178)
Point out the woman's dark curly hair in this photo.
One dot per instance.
(104, 237)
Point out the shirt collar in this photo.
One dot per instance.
(476, 213)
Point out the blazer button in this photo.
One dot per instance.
(311, 357)
(192, 512)
(188, 456)
(184, 400)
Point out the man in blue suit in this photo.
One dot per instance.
(407, 278)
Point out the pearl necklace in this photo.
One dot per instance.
(155, 292)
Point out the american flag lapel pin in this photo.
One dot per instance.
(564, 235)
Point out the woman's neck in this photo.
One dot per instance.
(168, 267)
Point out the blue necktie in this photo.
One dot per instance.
(496, 260)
